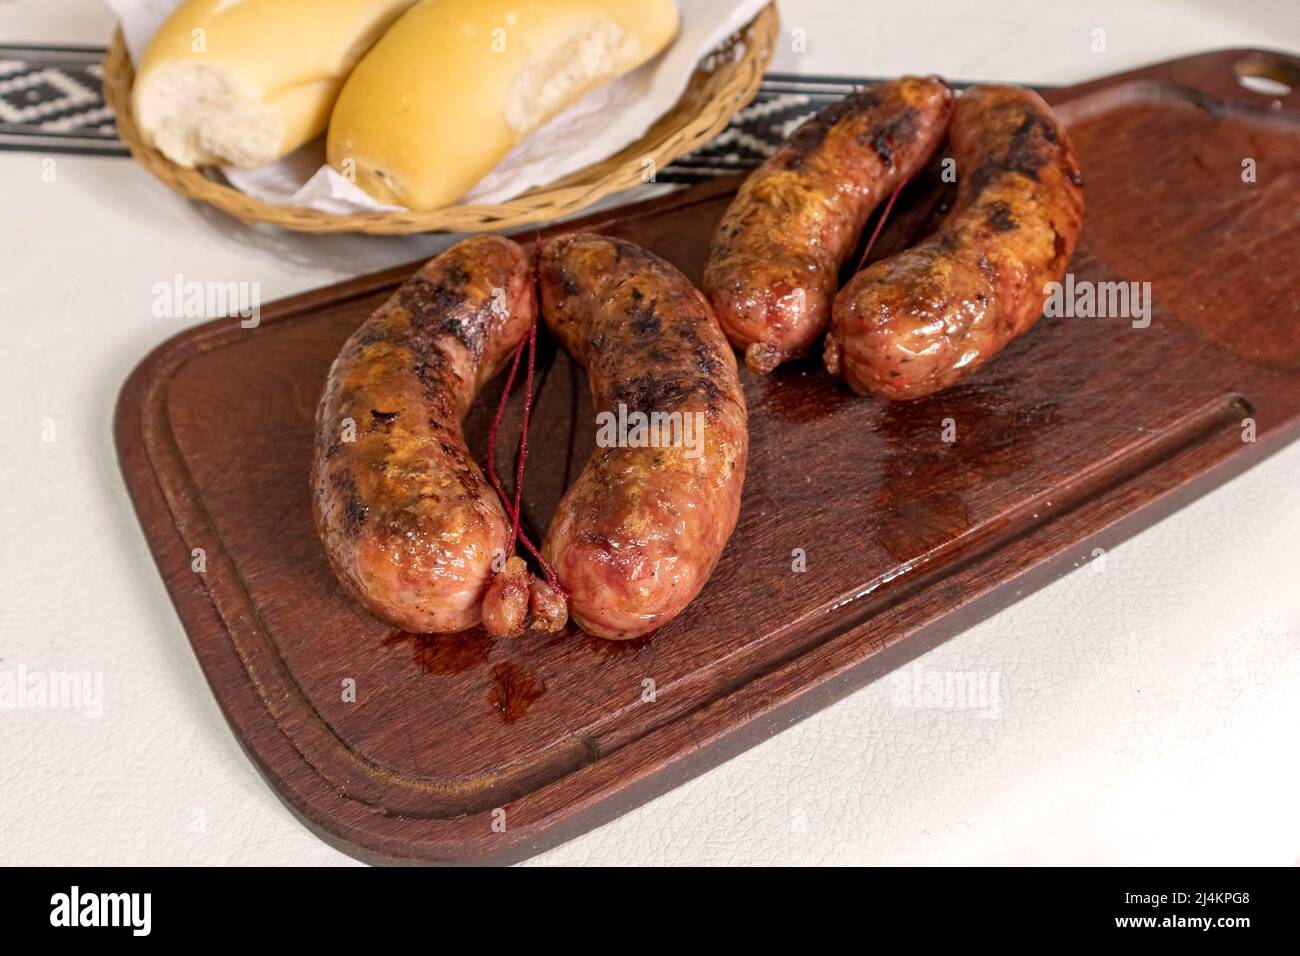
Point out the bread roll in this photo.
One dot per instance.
(456, 83)
(247, 81)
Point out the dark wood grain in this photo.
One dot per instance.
(1079, 434)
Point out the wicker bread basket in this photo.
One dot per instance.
(723, 83)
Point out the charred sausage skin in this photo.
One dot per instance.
(774, 262)
(408, 521)
(919, 321)
(639, 532)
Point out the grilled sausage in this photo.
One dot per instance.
(408, 521)
(774, 263)
(915, 323)
(638, 534)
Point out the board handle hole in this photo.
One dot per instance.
(1267, 75)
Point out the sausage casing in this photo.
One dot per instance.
(639, 532)
(918, 321)
(774, 262)
(410, 525)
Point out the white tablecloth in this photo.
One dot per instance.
(1146, 714)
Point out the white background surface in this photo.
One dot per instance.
(1146, 714)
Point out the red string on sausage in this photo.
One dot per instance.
(492, 441)
(875, 233)
(513, 510)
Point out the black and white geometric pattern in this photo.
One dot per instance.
(784, 101)
(51, 101)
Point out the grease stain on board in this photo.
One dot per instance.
(621, 648)
(445, 653)
(514, 690)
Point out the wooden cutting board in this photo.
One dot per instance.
(1079, 434)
